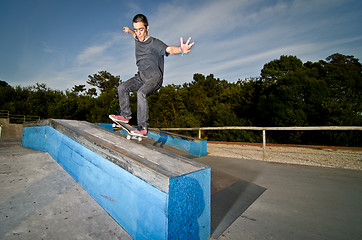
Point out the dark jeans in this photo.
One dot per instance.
(143, 88)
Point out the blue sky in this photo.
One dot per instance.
(61, 42)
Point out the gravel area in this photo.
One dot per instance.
(323, 157)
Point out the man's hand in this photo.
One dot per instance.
(128, 30)
(186, 47)
(183, 49)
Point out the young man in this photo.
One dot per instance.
(150, 54)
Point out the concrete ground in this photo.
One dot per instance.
(251, 200)
(40, 200)
(300, 202)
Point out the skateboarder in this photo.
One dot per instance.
(150, 54)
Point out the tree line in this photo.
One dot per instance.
(287, 93)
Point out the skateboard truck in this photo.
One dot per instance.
(128, 128)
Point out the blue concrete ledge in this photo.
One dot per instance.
(150, 194)
(191, 145)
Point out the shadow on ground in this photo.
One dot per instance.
(230, 197)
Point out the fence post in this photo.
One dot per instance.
(199, 133)
(264, 144)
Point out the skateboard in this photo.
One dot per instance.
(128, 128)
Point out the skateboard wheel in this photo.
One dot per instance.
(114, 125)
(139, 139)
(128, 137)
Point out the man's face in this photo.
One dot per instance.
(141, 31)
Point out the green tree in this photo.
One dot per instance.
(344, 79)
(341, 102)
(7, 96)
(201, 94)
(92, 92)
(288, 93)
(107, 102)
(104, 81)
(167, 108)
(282, 101)
(77, 89)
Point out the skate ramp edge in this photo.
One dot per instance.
(150, 194)
(194, 146)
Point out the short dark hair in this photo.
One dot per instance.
(140, 18)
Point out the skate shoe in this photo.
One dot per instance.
(142, 132)
(119, 118)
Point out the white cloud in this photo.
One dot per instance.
(91, 53)
(235, 36)
(234, 39)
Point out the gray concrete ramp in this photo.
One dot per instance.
(150, 193)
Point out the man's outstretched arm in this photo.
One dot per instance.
(184, 47)
(128, 30)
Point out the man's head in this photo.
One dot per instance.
(140, 26)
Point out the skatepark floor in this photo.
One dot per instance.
(250, 200)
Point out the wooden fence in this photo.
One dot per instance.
(264, 129)
(14, 118)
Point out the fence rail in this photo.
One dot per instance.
(264, 129)
(15, 118)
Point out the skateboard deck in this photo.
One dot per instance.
(128, 128)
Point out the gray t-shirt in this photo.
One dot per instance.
(150, 58)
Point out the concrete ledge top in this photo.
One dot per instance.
(149, 164)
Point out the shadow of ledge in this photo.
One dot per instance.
(230, 197)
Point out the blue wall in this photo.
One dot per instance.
(125, 197)
(195, 147)
(189, 206)
(143, 210)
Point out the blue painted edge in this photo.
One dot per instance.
(196, 147)
(190, 206)
(125, 197)
(106, 126)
